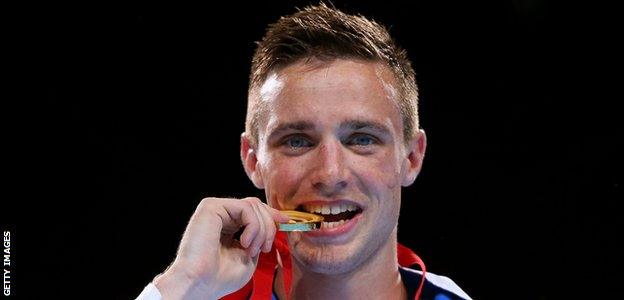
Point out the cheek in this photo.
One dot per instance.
(281, 180)
(382, 172)
(381, 180)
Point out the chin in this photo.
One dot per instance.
(331, 260)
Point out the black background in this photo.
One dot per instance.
(121, 118)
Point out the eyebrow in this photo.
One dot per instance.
(292, 126)
(348, 124)
(359, 124)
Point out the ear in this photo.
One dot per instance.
(249, 158)
(415, 154)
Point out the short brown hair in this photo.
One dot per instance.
(325, 33)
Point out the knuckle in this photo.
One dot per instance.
(206, 201)
(248, 205)
(253, 200)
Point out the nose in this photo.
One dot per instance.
(331, 172)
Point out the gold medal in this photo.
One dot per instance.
(300, 221)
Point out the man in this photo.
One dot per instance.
(332, 128)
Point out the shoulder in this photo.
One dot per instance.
(436, 287)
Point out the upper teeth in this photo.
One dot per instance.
(329, 209)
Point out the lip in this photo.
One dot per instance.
(335, 232)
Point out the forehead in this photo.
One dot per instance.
(324, 91)
(344, 73)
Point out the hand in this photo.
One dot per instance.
(210, 263)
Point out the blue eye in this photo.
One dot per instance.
(362, 140)
(297, 142)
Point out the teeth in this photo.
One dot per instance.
(329, 209)
(330, 225)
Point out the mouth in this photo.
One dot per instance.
(335, 214)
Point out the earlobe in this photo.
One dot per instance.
(415, 154)
(249, 159)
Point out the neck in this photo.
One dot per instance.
(378, 277)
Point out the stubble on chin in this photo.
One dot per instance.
(326, 259)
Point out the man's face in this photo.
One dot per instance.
(331, 142)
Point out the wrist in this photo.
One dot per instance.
(175, 283)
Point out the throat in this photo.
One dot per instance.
(330, 287)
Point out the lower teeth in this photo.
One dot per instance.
(329, 225)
